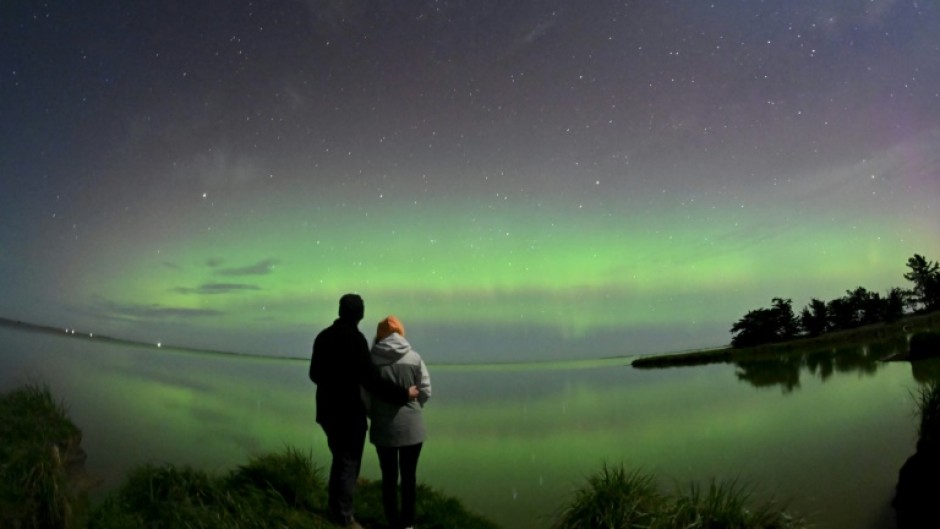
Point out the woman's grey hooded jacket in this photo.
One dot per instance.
(394, 425)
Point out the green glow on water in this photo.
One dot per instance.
(509, 443)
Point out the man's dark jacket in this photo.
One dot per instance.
(340, 364)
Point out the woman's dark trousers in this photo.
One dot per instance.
(392, 460)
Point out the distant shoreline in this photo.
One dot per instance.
(878, 331)
(84, 335)
(623, 359)
(689, 358)
(490, 366)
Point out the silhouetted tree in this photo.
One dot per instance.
(858, 307)
(788, 324)
(893, 305)
(814, 318)
(842, 314)
(755, 328)
(926, 278)
(766, 325)
(867, 305)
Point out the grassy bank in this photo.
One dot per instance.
(41, 483)
(278, 490)
(859, 336)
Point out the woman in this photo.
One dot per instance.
(398, 431)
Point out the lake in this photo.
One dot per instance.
(826, 433)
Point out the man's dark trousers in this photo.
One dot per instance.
(346, 445)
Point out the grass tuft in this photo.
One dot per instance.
(724, 505)
(290, 475)
(616, 499)
(612, 499)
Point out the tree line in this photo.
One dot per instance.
(856, 308)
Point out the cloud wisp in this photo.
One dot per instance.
(119, 310)
(261, 268)
(216, 288)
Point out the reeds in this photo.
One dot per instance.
(724, 505)
(927, 399)
(614, 498)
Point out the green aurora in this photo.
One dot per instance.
(571, 275)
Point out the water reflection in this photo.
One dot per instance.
(786, 369)
(511, 441)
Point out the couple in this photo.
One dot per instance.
(391, 384)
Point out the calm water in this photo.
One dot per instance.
(512, 442)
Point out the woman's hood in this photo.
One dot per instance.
(390, 349)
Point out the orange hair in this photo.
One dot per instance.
(387, 327)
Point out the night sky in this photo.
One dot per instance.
(515, 180)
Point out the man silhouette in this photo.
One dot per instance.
(339, 365)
